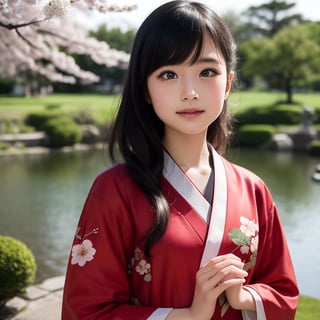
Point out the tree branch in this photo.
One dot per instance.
(11, 26)
(25, 39)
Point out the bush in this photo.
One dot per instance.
(255, 134)
(39, 119)
(62, 131)
(279, 114)
(317, 115)
(4, 146)
(285, 114)
(314, 147)
(17, 268)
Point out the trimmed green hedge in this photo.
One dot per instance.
(254, 135)
(39, 119)
(62, 131)
(17, 268)
(279, 114)
(314, 147)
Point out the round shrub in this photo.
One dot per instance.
(278, 114)
(314, 147)
(38, 119)
(255, 134)
(4, 146)
(317, 115)
(285, 114)
(17, 268)
(62, 131)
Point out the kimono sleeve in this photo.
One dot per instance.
(97, 283)
(273, 280)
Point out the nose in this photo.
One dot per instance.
(189, 93)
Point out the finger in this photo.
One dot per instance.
(228, 256)
(224, 285)
(215, 265)
(231, 272)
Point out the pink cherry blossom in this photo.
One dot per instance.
(248, 227)
(244, 249)
(254, 244)
(38, 37)
(82, 253)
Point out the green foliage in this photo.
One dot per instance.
(254, 135)
(84, 117)
(40, 118)
(316, 117)
(116, 38)
(17, 268)
(274, 115)
(26, 129)
(4, 146)
(314, 147)
(62, 131)
(268, 18)
(289, 59)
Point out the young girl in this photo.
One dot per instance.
(177, 231)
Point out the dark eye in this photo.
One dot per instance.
(208, 73)
(168, 75)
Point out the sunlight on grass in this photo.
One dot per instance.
(242, 100)
(308, 309)
(103, 107)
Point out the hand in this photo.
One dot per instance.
(240, 299)
(219, 274)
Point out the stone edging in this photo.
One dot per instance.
(17, 307)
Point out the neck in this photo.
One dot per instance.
(188, 152)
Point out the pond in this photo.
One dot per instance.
(41, 198)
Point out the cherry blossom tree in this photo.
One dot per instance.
(38, 37)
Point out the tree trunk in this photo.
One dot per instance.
(288, 87)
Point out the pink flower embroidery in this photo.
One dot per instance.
(143, 267)
(246, 238)
(82, 253)
(140, 265)
(248, 227)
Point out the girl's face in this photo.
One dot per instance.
(189, 97)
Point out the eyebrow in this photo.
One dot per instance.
(208, 60)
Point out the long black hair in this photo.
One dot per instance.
(170, 35)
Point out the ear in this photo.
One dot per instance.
(229, 84)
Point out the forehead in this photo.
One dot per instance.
(209, 51)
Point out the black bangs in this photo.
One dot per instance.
(172, 37)
(177, 43)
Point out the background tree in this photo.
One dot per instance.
(110, 78)
(115, 37)
(38, 37)
(291, 57)
(268, 18)
(265, 21)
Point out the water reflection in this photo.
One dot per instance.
(41, 197)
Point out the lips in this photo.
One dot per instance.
(190, 112)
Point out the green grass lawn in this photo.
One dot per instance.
(104, 106)
(242, 100)
(308, 309)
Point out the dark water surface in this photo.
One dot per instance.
(41, 197)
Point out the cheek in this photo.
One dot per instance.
(161, 97)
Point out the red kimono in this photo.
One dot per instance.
(109, 277)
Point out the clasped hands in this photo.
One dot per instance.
(222, 273)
